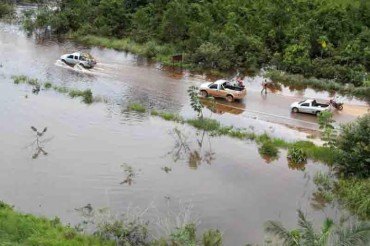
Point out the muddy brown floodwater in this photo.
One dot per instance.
(225, 181)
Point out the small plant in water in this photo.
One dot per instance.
(166, 169)
(130, 174)
(136, 107)
(296, 155)
(268, 151)
(194, 101)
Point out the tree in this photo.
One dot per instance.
(354, 148)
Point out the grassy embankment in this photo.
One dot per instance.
(300, 82)
(25, 229)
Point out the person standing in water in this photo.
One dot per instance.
(264, 86)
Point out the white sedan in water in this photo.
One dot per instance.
(83, 59)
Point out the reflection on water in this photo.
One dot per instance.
(196, 152)
(39, 142)
(219, 106)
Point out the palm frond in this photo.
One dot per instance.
(326, 230)
(277, 229)
(306, 228)
(354, 235)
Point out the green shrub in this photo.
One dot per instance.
(6, 10)
(353, 145)
(269, 150)
(296, 155)
(47, 85)
(355, 195)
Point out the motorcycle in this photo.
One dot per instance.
(336, 105)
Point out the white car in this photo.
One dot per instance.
(309, 106)
(83, 59)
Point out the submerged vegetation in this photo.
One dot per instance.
(299, 82)
(86, 95)
(323, 39)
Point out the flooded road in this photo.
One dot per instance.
(225, 181)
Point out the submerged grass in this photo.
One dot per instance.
(215, 128)
(136, 107)
(21, 229)
(86, 95)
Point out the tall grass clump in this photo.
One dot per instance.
(354, 194)
(87, 96)
(167, 116)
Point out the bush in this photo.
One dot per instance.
(6, 10)
(354, 148)
(86, 95)
(296, 155)
(269, 150)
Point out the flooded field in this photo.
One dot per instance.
(86, 148)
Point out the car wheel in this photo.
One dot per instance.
(82, 65)
(295, 110)
(204, 94)
(229, 98)
(318, 113)
(340, 107)
(64, 61)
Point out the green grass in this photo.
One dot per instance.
(355, 195)
(167, 116)
(25, 229)
(136, 107)
(86, 95)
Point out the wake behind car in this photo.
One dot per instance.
(309, 106)
(223, 89)
(78, 58)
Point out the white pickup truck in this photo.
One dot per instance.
(309, 106)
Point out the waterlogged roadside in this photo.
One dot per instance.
(232, 189)
(302, 148)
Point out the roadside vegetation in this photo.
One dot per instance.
(7, 10)
(86, 95)
(296, 81)
(322, 39)
(21, 229)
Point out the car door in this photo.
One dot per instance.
(75, 59)
(213, 90)
(222, 91)
(304, 107)
(69, 59)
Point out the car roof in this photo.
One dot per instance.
(220, 81)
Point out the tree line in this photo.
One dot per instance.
(324, 39)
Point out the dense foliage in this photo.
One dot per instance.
(354, 148)
(6, 10)
(325, 39)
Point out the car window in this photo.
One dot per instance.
(76, 57)
(71, 57)
(213, 86)
(305, 104)
(82, 58)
